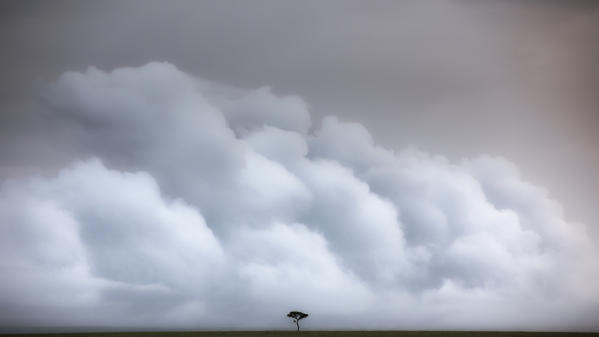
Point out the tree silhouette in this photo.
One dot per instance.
(297, 315)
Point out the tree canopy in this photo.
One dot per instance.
(296, 316)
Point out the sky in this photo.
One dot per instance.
(378, 165)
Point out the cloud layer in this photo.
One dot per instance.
(189, 204)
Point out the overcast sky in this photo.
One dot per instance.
(380, 164)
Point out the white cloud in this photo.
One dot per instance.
(91, 233)
(209, 203)
(261, 107)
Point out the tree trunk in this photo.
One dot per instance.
(297, 323)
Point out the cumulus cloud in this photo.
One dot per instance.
(191, 204)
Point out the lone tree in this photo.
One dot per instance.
(297, 315)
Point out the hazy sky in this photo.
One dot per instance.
(380, 164)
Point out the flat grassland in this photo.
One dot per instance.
(314, 334)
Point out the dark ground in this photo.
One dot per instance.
(314, 334)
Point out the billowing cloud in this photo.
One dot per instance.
(190, 204)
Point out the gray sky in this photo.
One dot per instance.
(506, 91)
(458, 78)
